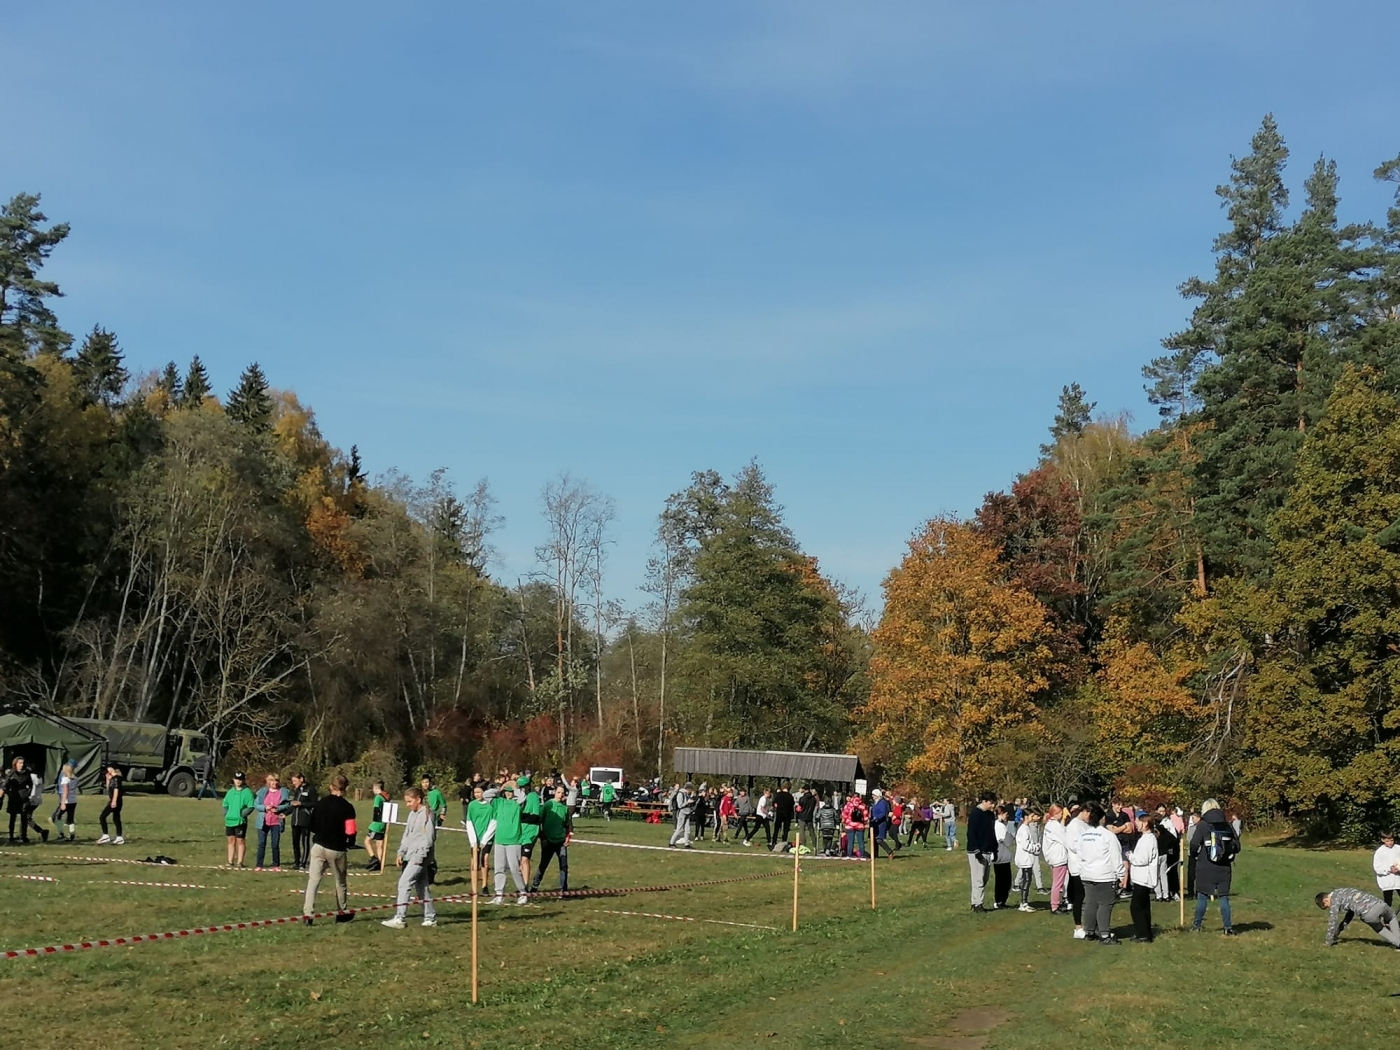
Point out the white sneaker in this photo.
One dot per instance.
(119, 841)
(498, 899)
(1079, 934)
(394, 924)
(104, 840)
(429, 922)
(1025, 907)
(523, 899)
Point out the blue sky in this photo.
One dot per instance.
(865, 244)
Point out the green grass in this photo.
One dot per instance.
(921, 971)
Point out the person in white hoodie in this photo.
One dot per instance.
(1027, 855)
(1100, 870)
(1005, 832)
(1144, 877)
(1078, 821)
(1056, 854)
(415, 857)
(1386, 865)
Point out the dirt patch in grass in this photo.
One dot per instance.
(950, 1042)
(980, 1019)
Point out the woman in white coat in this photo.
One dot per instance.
(1056, 854)
(1386, 864)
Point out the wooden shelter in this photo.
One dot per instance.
(799, 767)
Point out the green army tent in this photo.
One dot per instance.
(47, 741)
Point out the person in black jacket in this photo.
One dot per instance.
(17, 799)
(1214, 834)
(303, 802)
(784, 809)
(332, 833)
(981, 846)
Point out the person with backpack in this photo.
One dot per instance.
(1346, 903)
(1215, 844)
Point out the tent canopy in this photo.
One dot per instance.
(47, 741)
(775, 765)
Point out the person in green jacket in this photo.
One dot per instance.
(434, 800)
(606, 795)
(505, 853)
(556, 829)
(481, 829)
(238, 806)
(529, 825)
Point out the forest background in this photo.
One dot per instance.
(1206, 605)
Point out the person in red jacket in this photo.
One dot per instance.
(855, 818)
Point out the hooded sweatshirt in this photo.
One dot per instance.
(1027, 845)
(1073, 830)
(1380, 864)
(1100, 855)
(481, 823)
(419, 836)
(1144, 861)
(1053, 847)
(506, 812)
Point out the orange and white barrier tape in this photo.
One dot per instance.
(684, 918)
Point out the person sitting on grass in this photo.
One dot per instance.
(415, 858)
(239, 804)
(1346, 903)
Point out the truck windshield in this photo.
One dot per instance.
(198, 744)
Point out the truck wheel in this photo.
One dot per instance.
(180, 785)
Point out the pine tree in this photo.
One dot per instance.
(196, 385)
(98, 367)
(27, 325)
(1071, 416)
(249, 402)
(169, 382)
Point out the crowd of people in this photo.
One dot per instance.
(23, 789)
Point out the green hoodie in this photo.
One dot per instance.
(507, 813)
(238, 803)
(530, 818)
(557, 821)
(480, 814)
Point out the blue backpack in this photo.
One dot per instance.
(1222, 844)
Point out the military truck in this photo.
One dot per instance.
(177, 760)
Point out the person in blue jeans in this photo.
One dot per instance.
(1214, 845)
(272, 804)
(950, 824)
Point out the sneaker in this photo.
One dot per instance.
(1109, 938)
(44, 834)
(1196, 929)
(1079, 934)
(1230, 932)
(100, 842)
(498, 899)
(430, 923)
(394, 924)
(306, 920)
(1025, 907)
(979, 909)
(1142, 940)
(523, 899)
(344, 916)
(119, 841)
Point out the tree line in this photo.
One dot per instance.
(1212, 605)
(174, 555)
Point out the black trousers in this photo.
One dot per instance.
(115, 814)
(1190, 877)
(301, 845)
(549, 851)
(1002, 884)
(1389, 895)
(1141, 909)
(1076, 899)
(782, 828)
(766, 825)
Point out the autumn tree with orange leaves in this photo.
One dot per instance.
(961, 656)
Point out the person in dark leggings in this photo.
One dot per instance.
(17, 799)
(113, 808)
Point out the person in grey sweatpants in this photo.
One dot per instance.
(1346, 903)
(506, 859)
(685, 806)
(415, 857)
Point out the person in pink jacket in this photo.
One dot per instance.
(855, 818)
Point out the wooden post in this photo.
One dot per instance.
(474, 897)
(870, 838)
(384, 861)
(796, 860)
(1181, 885)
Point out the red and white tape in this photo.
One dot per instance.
(761, 854)
(456, 898)
(35, 878)
(162, 885)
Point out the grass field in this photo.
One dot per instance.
(921, 971)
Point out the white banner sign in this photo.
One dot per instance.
(861, 785)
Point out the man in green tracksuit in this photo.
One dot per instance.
(556, 828)
(238, 804)
(606, 796)
(505, 853)
(529, 825)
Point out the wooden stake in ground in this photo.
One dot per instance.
(1181, 885)
(870, 832)
(796, 860)
(475, 854)
(390, 814)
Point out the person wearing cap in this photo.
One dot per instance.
(239, 804)
(529, 824)
(505, 854)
